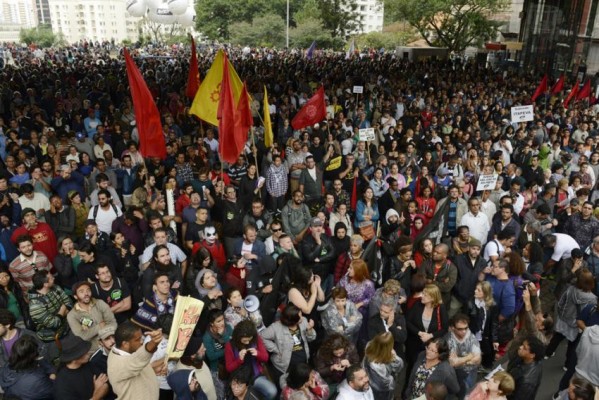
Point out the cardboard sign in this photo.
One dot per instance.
(364, 135)
(523, 113)
(359, 89)
(187, 314)
(486, 182)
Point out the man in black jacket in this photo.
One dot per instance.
(318, 253)
(527, 369)
(389, 319)
(470, 265)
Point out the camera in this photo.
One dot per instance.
(523, 285)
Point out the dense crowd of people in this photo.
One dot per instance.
(329, 266)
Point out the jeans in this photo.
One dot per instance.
(266, 387)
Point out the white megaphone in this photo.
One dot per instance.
(252, 306)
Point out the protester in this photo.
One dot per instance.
(437, 136)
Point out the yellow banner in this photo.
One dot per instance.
(205, 103)
(187, 314)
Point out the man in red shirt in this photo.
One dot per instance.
(43, 236)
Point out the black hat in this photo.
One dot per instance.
(27, 211)
(73, 347)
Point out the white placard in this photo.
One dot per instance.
(359, 89)
(523, 113)
(366, 134)
(486, 182)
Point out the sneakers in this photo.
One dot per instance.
(556, 396)
(548, 356)
(565, 369)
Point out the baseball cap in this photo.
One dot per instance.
(106, 332)
(315, 222)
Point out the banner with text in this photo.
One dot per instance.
(523, 113)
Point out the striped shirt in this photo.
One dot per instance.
(23, 269)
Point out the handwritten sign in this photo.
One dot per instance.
(366, 134)
(523, 113)
(187, 314)
(486, 182)
(359, 89)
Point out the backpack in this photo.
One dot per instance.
(482, 251)
(97, 208)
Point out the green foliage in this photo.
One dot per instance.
(388, 40)
(216, 18)
(339, 17)
(42, 36)
(454, 24)
(309, 30)
(308, 11)
(267, 30)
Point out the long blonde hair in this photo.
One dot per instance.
(380, 348)
(487, 290)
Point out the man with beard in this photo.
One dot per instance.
(24, 266)
(161, 262)
(99, 360)
(103, 183)
(112, 291)
(89, 315)
(296, 217)
(105, 213)
(356, 386)
(161, 238)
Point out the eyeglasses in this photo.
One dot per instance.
(276, 230)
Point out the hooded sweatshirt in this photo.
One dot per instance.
(544, 156)
(588, 357)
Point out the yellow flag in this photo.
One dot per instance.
(205, 103)
(267, 124)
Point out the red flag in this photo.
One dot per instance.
(227, 146)
(243, 120)
(147, 117)
(312, 112)
(585, 91)
(572, 94)
(354, 194)
(193, 78)
(542, 88)
(559, 85)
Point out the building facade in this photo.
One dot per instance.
(14, 16)
(97, 20)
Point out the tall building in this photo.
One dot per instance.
(43, 12)
(96, 20)
(14, 16)
(371, 13)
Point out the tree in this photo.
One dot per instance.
(339, 17)
(310, 30)
(454, 24)
(41, 36)
(267, 30)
